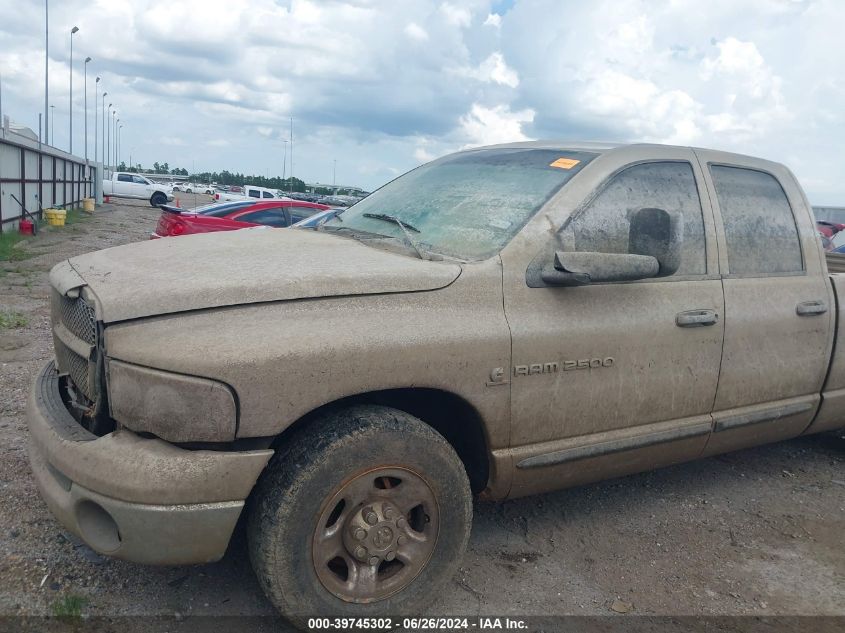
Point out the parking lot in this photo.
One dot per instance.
(758, 532)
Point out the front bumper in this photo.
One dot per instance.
(133, 498)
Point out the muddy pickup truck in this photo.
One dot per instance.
(499, 322)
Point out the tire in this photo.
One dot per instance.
(158, 199)
(188, 191)
(364, 448)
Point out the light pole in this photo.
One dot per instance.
(334, 175)
(85, 86)
(70, 109)
(284, 162)
(118, 142)
(96, 120)
(52, 123)
(103, 113)
(107, 127)
(291, 154)
(115, 121)
(46, 65)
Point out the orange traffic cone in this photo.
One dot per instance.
(178, 204)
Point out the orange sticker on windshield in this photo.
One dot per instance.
(564, 163)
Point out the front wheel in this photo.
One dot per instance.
(158, 199)
(363, 513)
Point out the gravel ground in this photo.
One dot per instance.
(758, 532)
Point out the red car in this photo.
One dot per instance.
(230, 216)
(827, 231)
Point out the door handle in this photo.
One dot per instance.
(696, 318)
(811, 308)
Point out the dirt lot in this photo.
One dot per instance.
(756, 532)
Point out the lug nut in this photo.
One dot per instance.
(374, 560)
(360, 534)
(400, 523)
(370, 516)
(387, 511)
(360, 552)
(402, 540)
(390, 556)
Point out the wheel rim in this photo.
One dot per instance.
(375, 534)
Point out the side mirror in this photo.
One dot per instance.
(655, 239)
(660, 234)
(581, 269)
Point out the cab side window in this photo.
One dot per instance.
(124, 178)
(760, 229)
(603, 225)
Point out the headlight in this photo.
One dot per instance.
(174, 407)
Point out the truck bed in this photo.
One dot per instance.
(835, 262)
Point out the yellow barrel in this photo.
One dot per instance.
(55, 217)
(88, 205)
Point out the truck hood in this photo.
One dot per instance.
(213, 270)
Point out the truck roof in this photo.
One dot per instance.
(601, 147)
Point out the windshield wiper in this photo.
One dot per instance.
(391, 218)
(406, 229)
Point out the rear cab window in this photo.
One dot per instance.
(760, 230)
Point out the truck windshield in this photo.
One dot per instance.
(467, 205)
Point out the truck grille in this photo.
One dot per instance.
(77, 316)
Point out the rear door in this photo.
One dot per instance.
(124, 185)
(778, 305)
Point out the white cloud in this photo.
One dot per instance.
(416, 32)
(455, 15)
(422, 155)
(494, 20)
(487, 126)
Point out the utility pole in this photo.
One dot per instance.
(107, 124)
(115, 121)
(85, 86)
(46, 66)
(96, 120)
(105, 160)
(291, 154)
(70, 108)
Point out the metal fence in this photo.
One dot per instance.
(40, 177)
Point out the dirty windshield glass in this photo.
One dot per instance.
(467, 205)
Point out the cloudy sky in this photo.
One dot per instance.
(381, 86)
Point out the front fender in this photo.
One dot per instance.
(285, 359)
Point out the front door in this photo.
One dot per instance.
(616, 377)
(779, 312)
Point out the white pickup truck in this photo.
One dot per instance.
(126, 185)
(248, 192)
